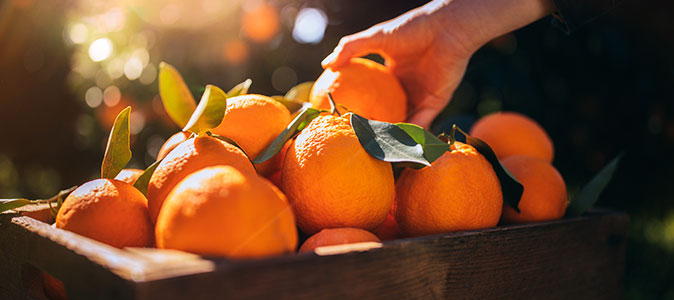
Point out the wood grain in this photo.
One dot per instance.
(566, 259)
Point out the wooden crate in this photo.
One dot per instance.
(579, 258)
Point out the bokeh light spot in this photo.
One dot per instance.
(111, 96)
(260, 22)
(235, 51)
(100, 49)
(283, 78)
(93, 96)
(149, 74)
(133, 68)
(310, 25)
(78, 33)
(115, 68)
(136, 122)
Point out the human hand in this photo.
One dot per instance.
(428, 48)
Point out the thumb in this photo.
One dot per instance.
(354, 45)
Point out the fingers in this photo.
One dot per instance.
(354, 45)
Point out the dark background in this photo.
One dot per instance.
(604, 89)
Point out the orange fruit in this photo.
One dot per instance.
(459, 191)
(109, 211)
(364, 87)
(332, 181)
(172, 143)
(253, 121)
(511, 133)
(388, 230)
(274, 164)
(191, 155)
(544, 196)
(337, 236)
(223, 211)
(129, 175)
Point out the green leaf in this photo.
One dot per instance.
(277, 144)
(388, 142)
(240, 89)
(300, 92)
(511, 188)
(433, 146)
(178, 101)
(9, 204)
(144, 179)
(209, 112)
(592, 190)
(118, 151)
(311, 115)
(292, 105)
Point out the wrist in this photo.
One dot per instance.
(473, 23)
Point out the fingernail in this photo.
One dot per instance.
(328, 60)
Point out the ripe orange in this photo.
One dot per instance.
(109, 211)
(226, 212)
(337, 236)
(388, 230)
(274, 164)
(253, 121)
(190, 156)
(364, 87)
(459, 191)
(544, 196)
(172, 143)
(510, 133)
(332, 181)
(129, 175)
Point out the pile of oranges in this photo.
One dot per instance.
(206, 196)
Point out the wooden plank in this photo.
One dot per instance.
(566, 259)
(572, 258)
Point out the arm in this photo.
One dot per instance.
(428, 48)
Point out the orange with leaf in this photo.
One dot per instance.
(195, 153)
(332, 181)
(88, 210)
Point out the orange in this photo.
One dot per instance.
(274, 164)
(337, 236)
(364, 87)
(191, 155)
(222, 211)
(109, 211)
(388, 230)
(459, 191)
(332, 181)
(129, 175)
(253, 121)
(172, 143)
(544, 196)
(510, 133)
